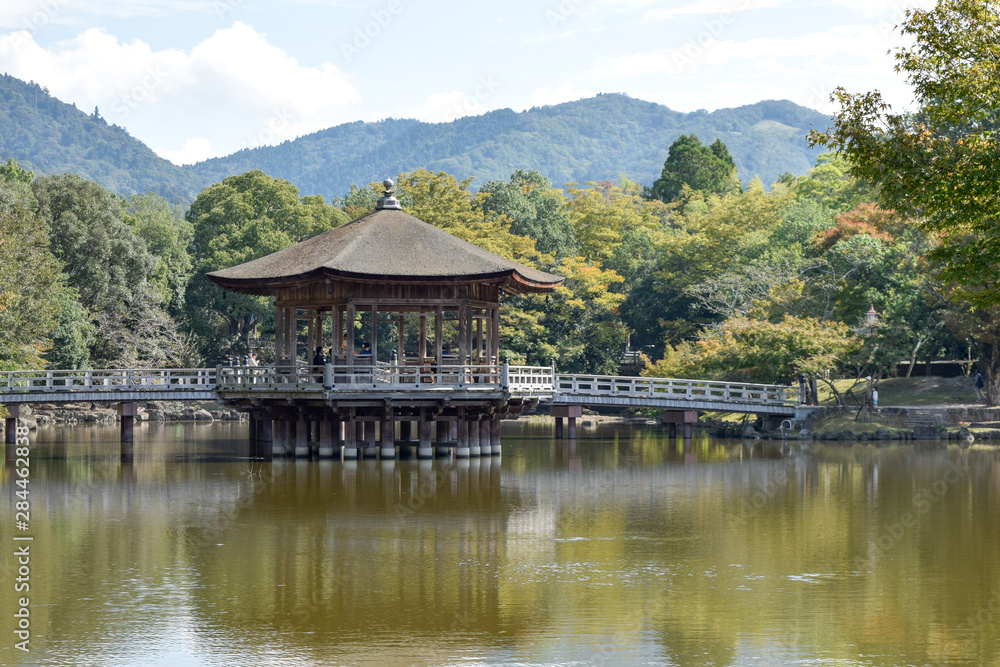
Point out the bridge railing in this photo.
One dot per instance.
(136, 379)
(385, 376)
(667, 388)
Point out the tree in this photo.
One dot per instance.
(167, 235)
(110, 269)
(30, 279)
(939, 166)
(748, 350)
(242, 218)
(710, 169)
(534, 208)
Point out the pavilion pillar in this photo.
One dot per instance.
(422, 346)
(559, 428)
(495, 435)
(10, 430)
(350, 437)
(439, 342)
(374, 338)
(387, 435)
(405, 430)
(311, 337)
(351, 315)
(127, 412)
(463, 339)
(424, 449)
(400, 348)
(495, 344)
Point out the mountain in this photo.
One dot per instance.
(593, 139)
(48, 136)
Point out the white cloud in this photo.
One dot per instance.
(567, 92)
(804, 68)
(234, 87)
(194, 150)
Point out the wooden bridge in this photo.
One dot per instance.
(519, 388)
(523, 382)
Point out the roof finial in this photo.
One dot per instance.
(387, 201)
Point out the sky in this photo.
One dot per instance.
(195, 79)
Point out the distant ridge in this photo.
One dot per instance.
(48, 136)
(594, 139)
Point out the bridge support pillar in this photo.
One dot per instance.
(387, 434)
(686, 418)
(495, 435)
(350, 438)
(279, 443)
(325, 439)
(10, 430)
(368, 437)
(570, 413)
(127, 413)
(405, 430)
(302, 427)
(261, 435)
(462, 450)
(443, 435)
(474, 449)
(424, 449)
(485, 446)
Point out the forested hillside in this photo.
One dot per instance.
(594, 139)
(48, 136)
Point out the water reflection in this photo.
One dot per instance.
(623, 547)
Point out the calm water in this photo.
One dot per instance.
(621, 550)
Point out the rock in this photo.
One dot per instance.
(216, 414)
(154, 416)
(847, 435)
(749, 432)
(884, 434)
(965, 435)
(926, 433)
(188, 414)
(203, 415)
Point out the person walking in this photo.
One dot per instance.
(980, 396)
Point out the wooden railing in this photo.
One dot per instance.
(385, 376)
(533, 381)
(138, 379)
(667, 388)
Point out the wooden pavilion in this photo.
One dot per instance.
(407, 316)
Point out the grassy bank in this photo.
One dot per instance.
(904, 391)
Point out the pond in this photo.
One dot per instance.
(622, 547)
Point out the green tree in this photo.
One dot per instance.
(110, 268)
(30, 279)
(242, 218)
(534, 208)
(749, 350)
(710, 169)
(940, 166)
(167, 235)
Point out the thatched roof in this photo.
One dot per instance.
(386, 245)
